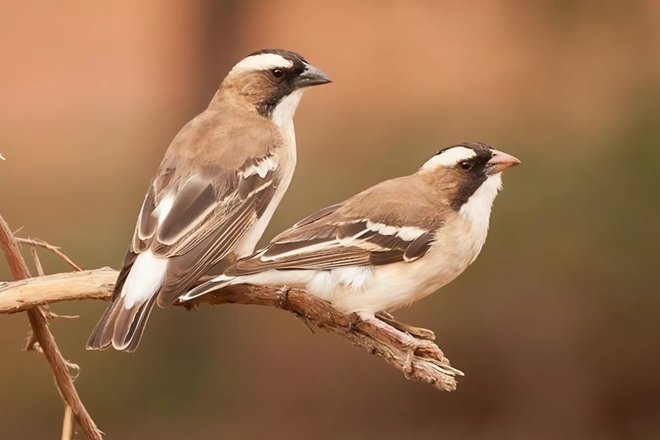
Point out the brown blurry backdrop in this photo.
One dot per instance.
(556, 324)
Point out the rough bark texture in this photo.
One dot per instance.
(422, 361)
(42, 335)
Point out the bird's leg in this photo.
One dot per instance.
(410, 343)
(353, 321)
(418, 332)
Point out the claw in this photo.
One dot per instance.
(418, 332)
(283, 297)
(355, 319)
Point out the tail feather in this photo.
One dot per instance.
(101, 336)
(210, 286)
(129, 325)
(136, 289)
(121, 327)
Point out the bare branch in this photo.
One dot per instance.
(422, 362)
(67, 424)
(44, 337)
(35, 242)
(19, 296)
(37, 262)
(32, 344)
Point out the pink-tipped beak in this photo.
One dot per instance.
(501, 161)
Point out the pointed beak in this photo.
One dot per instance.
(311, 76)
(500, 162)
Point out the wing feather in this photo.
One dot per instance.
(324, 241)
(209, 215)
(194, 202)
(186, 268)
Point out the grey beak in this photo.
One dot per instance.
(311, 76)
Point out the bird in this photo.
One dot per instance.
(388, 246)
(214, 193)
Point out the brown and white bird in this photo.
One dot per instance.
(215, 191)
(389, 245)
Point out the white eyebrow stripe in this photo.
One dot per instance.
(263, 61)
(449, 158)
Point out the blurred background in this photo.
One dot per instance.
(557, 323)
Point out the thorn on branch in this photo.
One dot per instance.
(35, 242)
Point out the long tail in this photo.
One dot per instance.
(121, 327)
(210, 286)
(138, 284)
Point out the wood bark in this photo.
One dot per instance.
(422, 361)
(38, 317)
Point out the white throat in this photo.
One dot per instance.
(282, 116)
(283, 113)
(477, 209)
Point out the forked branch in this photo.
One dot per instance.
(42, 335)
(422, 362)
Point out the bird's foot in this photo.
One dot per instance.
(283, 297)
(418, 332)
(410, 343)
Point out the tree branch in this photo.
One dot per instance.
(42, 334)
(35, 242)
(422, 362)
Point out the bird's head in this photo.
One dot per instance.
(272, 81)
(467, 171)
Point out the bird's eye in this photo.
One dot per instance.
(465, 165)
(277, 73)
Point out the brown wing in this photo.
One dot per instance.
(365, 230)
(196, 215)
(217, 178)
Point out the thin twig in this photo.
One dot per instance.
(39, 324)
(67, 424)
(35, 242)
(426, 363)
(37, 262)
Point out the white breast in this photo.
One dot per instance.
(283, 117)
(477, 210)
(391, 286)
(396, 285)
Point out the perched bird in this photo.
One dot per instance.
(214, 193)
(389, 245)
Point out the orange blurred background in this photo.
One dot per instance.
(556, 324)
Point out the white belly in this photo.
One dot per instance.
(391, 286)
